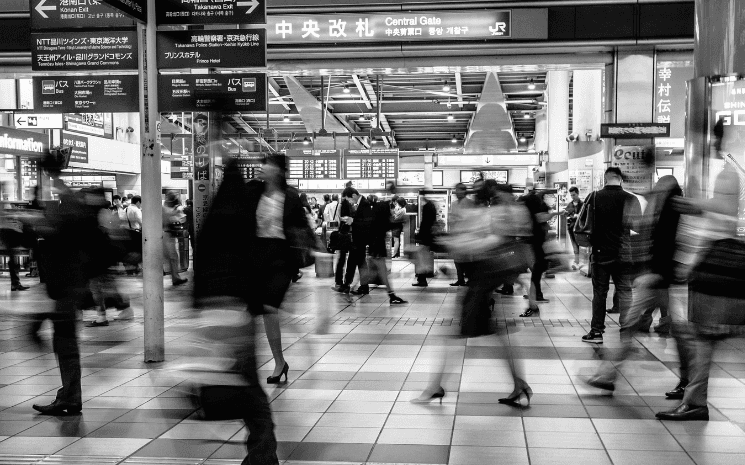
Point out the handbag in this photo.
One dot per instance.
(341, 241)
(585, 224)
(717, 285)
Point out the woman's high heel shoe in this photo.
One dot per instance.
(514, 398)
(278, 379)
(427, 399)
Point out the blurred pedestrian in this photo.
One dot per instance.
(173, 222)
(611, 250)
(456, 220)
(398, 219)
(189, 212)
(425, 264)
(540, 214)
(361, 223)
(11, 238)
(571, 211)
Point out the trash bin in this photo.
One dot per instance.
(183, 249)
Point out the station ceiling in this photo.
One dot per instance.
(422, 111)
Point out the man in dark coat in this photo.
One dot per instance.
(425, 238)
(361, 223)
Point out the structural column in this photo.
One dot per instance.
(429, 165)
(152, 213)
(558, 126)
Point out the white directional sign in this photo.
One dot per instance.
(38, 121)
(215, 12)
(66, 14)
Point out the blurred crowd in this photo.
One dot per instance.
(495, 238)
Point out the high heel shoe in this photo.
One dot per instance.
(514, 398)
(278, 379)
(427, 399)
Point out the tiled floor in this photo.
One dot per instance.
(349, 391)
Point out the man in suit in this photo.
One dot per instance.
(361, 223)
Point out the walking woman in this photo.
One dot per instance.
(491, 235)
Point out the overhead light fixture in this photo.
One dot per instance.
(286, 118)
(451, 117)
(526, 115)
(306, 141)
(454, 140)
(445, 86)
(531, 86)
(346, 90)
(523, 139)
(362, 118)
(374, 141)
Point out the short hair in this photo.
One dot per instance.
(335, 197)
(326, 197)
(460, 185)
(136, 199)
(615, 172)
(189, 203)
(117, 197)
(130, 196)
(349, 192)
(574, 189)
(401, 201)
(348, 184)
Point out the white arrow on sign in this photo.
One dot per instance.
(41, 8)
(253, 4)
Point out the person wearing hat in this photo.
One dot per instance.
(172, 214)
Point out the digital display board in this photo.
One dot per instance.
(314, 164)
(371, 164)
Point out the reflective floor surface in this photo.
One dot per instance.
(349, 391)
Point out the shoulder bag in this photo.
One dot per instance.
(717, 285)
(585, 224)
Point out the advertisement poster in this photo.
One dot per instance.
(94, 124)
(637, 165)
(469, 177)
(671, 95)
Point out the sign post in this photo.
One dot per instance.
(152, 234)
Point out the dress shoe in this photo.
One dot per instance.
(19, 287)
(612, 310)
(458, 283)
(96, 324)
(601, 383)
(420, 284)
(179, 282)
(685, 412)
(362, 290)
(58, 408)
(679, 391)
(396, 300)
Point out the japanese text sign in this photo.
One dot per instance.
(136, 9)
(215, 12)
(79, 146)
(224, 48)
(635, 130)
(213, 92)
(314, 164)
(366, 164)
(383, 27)
(84, 51)
(637, 165)
(86, 94)
(66, 14)
(670, 96)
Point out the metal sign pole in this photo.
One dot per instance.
(152, 216)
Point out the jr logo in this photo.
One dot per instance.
(499, 29)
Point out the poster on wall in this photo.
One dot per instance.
(469, 177)
(582, 180)
(637, 165)
(416, 178)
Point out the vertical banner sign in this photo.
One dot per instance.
(670, 95)
(202, 169)
(638, 167)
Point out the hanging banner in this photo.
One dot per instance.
(634, 130)
(671, 95)
(135, 9)
(219, 48)
(66, 14)
(84, 51)
(79, 146)
(86, 94)
(637, 165)
(214, 92)
(222, 12)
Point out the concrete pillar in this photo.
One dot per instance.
(557, 83)
(428, 170)
(588, 103)
(541, 131)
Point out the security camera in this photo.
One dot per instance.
(572, 138)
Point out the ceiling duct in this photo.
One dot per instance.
(491, 128)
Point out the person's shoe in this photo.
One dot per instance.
(96, 324)
(664, 326)
(278, 379)
(181, 281)
(458, 283)
(530, 312)
(420, 284)
(612, 310)
(593, 337)
(685, 412)
(395, 300)
(19, 287)
(297, 277)
(513, 399)
(601, 383)
(362, 290)
(575, 266)
(679, 391)
(337, 287)
(542, 300)
(427, 398)
(125, 315)
(58, 408)
(504, 291)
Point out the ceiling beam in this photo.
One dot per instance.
(250, 131)
(363, 93)
(459, 88)
(273, 88)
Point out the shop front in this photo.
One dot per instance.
(20, 154)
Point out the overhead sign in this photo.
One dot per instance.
(66, 14)
(634, 130)
(135, 9)
(223, 48)
(671, 95)
(81, 51)
(86, 94)
(95, 124)
(38, 121)
(387, 27)
(489, 160)
(366, 164)
(250, 167)
(17, 142)
(215, 12)
(79, 146)
(182, 167)
(213, 92)
(314, 164)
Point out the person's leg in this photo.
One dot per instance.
(396, 243)
(600, 286)
(623, 280)
(575, 246)
(539, 267)
(261, 443)
(665, 318)
(696, 393)
(340, 264)
(460, 273)
(171, 256)
(14, 269)
(99, 297)
(685, 341)
(274, 335)
(353, 262)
